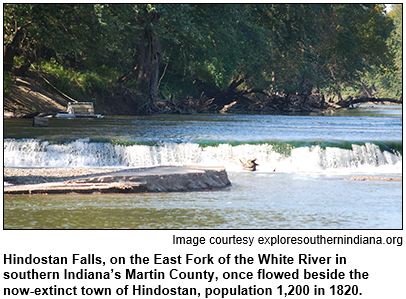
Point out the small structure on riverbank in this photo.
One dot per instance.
(77, 110)
(80, 109)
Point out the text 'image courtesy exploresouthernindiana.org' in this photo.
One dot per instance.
(202, 116)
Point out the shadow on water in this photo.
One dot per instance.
(255, 201)
(353, 125)
(143, 211)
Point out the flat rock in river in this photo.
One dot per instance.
(156, 179)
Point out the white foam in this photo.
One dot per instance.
(366, 158)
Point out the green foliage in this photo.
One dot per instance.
(79, 84)
(71, 31)
(7, 81)
(387, 79)
(285, 48)
(323, 45)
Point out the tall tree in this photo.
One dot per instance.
(147, 60)
(70, 31)
(228, 50)
(140, 30)
(386, 80)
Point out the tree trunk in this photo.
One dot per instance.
(150, 75)
(10, 50)
(348, 103)
(146, 71)
(365, 89)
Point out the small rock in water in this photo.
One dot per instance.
(250, 165)
(40, 122)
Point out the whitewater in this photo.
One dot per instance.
(360, 158)
(304, 179)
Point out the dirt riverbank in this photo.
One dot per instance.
(30, 95)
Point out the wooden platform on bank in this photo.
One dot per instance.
(156, 179)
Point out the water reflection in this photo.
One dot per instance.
(104, 211)
(372, 110)
(342, 125)
(273, 201)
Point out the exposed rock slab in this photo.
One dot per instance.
(157, 179)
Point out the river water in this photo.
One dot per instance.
(301, 182)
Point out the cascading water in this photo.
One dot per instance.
(364, 158)
(79, 153)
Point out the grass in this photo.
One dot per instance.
(80, 85)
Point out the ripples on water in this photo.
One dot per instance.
(288, 202)
(311, 156)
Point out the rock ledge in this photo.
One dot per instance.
(156, 179)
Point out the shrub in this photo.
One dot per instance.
(80, 85)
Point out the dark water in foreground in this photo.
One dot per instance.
(311, 156)
(288, 201)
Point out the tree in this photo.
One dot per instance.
(386, 80)
(228, 52)
(356, 43)
(139, 30)
(221, 51)
(148, 52)
(69, 31)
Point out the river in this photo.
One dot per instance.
(302, 181)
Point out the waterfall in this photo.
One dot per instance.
(364, 158)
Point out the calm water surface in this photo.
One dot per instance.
(289, 201)
(311, 156)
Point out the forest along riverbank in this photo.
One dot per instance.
(224, 65)
(30, 96)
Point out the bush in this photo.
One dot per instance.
(7, 82)
(80, 85)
